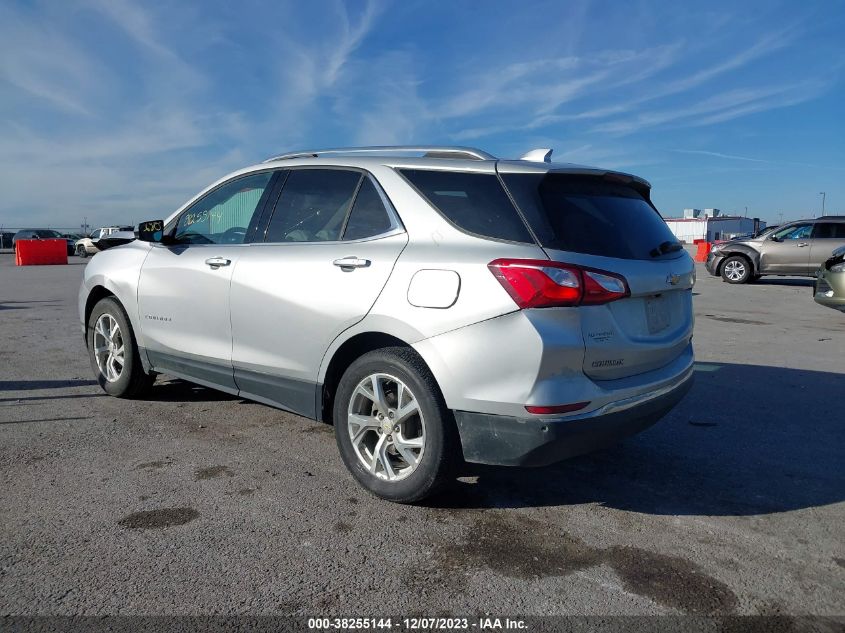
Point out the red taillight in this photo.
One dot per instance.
(540, 283)
(558, 408)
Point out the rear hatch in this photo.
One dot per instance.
(605, 221)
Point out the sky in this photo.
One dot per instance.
(120, 111)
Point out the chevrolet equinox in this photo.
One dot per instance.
(436, 304)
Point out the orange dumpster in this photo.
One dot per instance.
(703, 250)
(40, 252)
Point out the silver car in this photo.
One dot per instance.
(435, 304)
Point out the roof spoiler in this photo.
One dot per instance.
(542, 155)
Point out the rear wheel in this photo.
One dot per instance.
(393, 429)
(114, 353)
(736, 270)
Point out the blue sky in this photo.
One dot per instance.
(120, 110)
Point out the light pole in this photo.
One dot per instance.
(823, 195)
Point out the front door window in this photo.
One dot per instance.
(223, 215)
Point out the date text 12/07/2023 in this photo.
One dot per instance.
(418, 624)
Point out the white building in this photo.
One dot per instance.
(711, 225)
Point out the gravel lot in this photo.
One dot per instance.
(196, 502)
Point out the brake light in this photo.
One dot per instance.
(540, 283)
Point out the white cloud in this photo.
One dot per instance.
(718, 108)
(39, 60)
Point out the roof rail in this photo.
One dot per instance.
(428, 151)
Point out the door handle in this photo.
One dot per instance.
(802, 244)
(216, 262)
(351, 262)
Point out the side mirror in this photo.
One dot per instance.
(151, 231)
(775, 238)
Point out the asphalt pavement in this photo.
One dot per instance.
(196, 502)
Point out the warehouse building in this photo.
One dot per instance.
(711, 225)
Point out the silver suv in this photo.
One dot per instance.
(435, 304)
(795, 249)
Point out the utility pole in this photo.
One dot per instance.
(823, 195)
(746, 211)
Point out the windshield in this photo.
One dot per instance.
(47, 233)
(585, 214)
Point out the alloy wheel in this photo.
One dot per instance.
(735, 270)
(108, 347)
(386, 427)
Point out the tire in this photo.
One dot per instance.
(81, 252)
(736, 270)
(423, 454)
(130, 381)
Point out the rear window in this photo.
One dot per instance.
(475, 203)
(589, 215)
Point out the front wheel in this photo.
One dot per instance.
(81, 252)
(114, 353)
(736, 270)
(393, 429)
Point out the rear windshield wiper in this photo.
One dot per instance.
(666, 247)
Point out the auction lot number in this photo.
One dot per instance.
(415, 624)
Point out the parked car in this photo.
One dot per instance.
(434, 304)
(748, 236)
(7, 239)
(795, 249)
(88, 245)
(42, 234)
(829, 287)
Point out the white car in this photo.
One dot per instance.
(88, 245)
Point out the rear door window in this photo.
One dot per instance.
(313, 205)
(584, 214)
(368, 217)
(829, 230)
(475, 203)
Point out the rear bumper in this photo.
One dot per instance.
(714, 260)
(510, 441)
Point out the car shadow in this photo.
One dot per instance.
(802, 282)
(28, 385)
(746, 440)
(64, 419)
(27, 305)
(176, 390)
